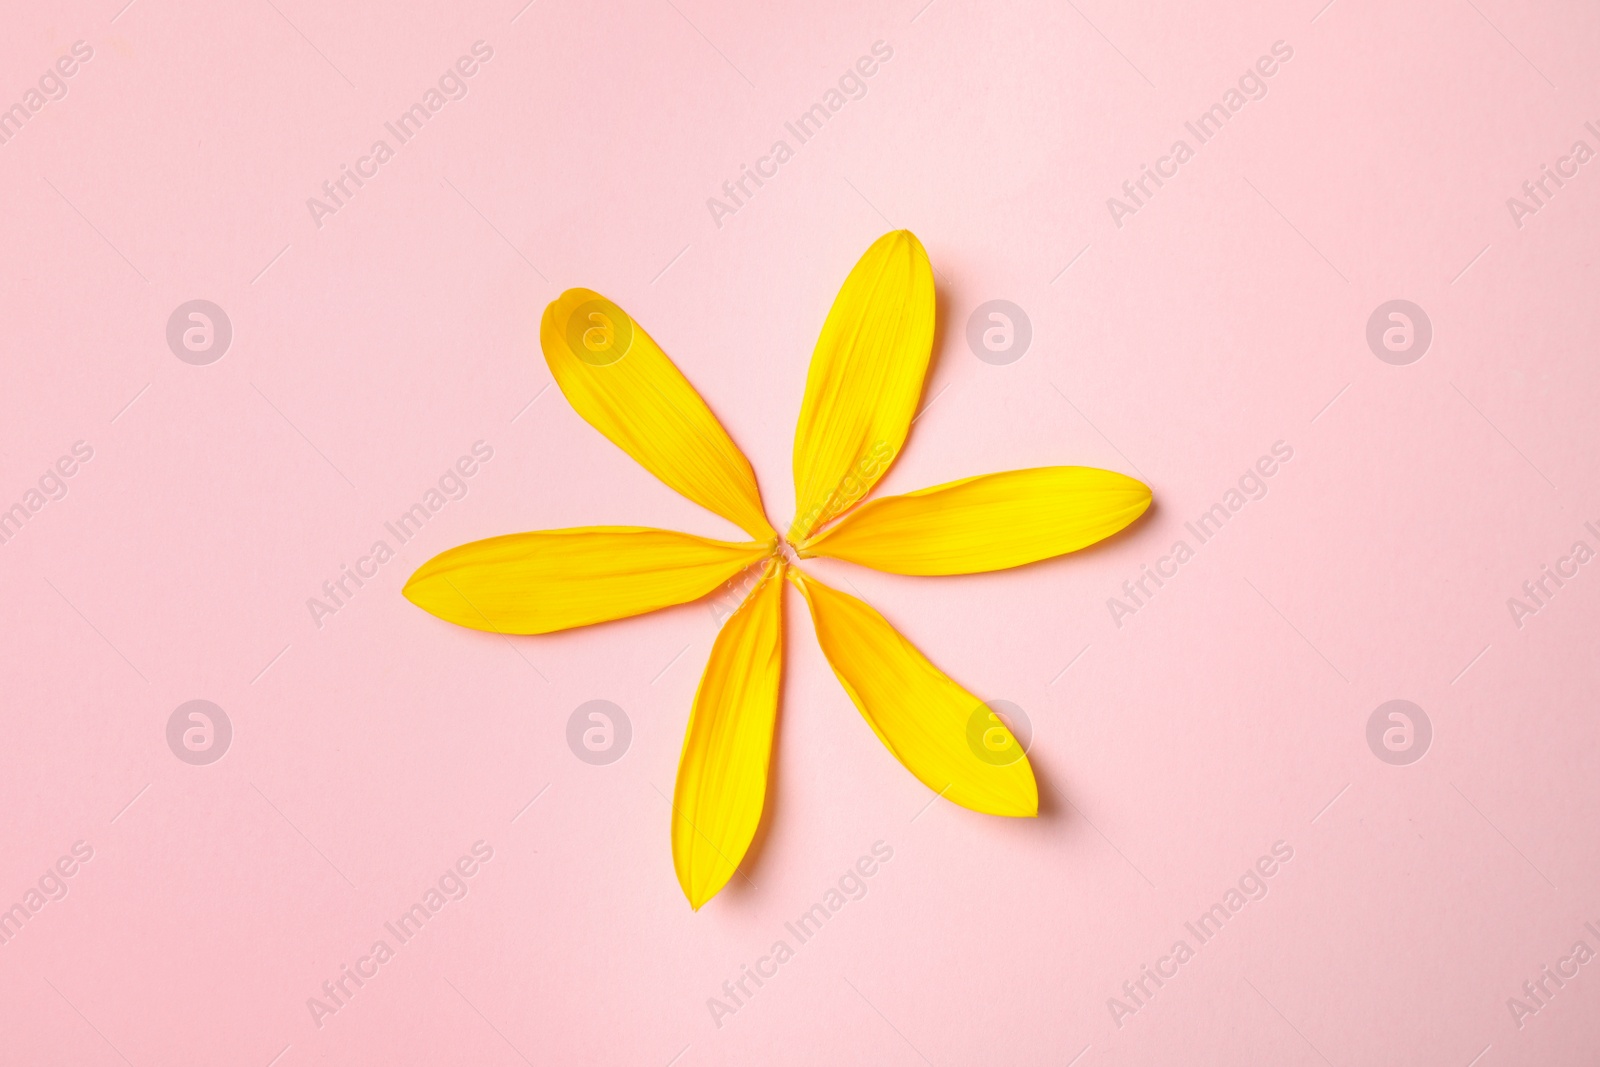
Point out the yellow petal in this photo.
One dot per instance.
(534, 583)
(623, 385)
(865, 378)
(943, 734)
(985, 523)
(722, 774)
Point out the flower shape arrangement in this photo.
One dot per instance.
(861, 395)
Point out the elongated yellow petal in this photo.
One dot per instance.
(865, 378)
(623, 385)
(985, 523)
(722, 774)
(930, 723)
(534, 583)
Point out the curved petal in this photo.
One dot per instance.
(722, 774)
(535, 583)
(865, 378)
(941, 733)
(986, 523)
(619, 380)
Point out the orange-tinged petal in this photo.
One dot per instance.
(619, 380)
(941, 733)
(722, 774)
(986, 523)
(535, 583)
(865, 379)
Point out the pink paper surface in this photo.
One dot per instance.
(1210, 322)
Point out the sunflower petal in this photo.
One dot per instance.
(923, 717)
(535, 583)
(619, 380)
(865, 378)
(722, 774)
(986, 523)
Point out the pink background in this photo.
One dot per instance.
(1229, 713)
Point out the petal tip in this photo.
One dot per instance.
(1025, 805)
(1025, 808)
(698, 898)
(896, 243)
(413, 589)
(576, 295)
